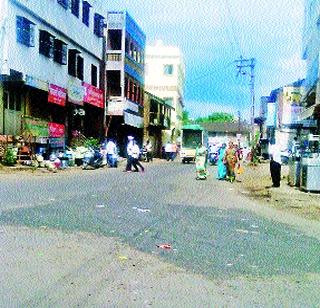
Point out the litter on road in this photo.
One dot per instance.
(122, 258)
(164, 246)
(141, 210)
(100, 206)
(242, 231)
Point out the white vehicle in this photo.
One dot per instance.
(191, 136)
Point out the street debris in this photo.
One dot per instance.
(242, 231)
(229, 264)
(254, 226)
(141, 210)
(100, 206)
(122, 258)
(164, 246)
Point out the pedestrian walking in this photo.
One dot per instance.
(129, 154)
(168, 150)
(201, 162)
(231, 159)
(111, 150)
(135, 157)
(173, 151)
(222, 169)
(149, 150)
(275, 164)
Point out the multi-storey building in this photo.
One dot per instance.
(311, 48)
(125, 77)
(50, 63)
(157, 115)
(165, 77)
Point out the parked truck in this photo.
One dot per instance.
(191, 136)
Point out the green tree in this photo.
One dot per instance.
(185, 118)
(216, 117)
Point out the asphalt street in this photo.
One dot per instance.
(212, 230)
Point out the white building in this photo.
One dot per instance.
(165, 77)
(50, 61)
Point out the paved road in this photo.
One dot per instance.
(220, 240)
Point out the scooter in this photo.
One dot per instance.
(92, 159)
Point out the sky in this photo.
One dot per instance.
(214, 33)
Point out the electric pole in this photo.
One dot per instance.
(246, 67)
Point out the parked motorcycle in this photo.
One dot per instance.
(92, 159)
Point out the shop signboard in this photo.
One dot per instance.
(133, 120)
(56, 130)
(36, 83)
(57, 142)
(93, 95)
(75, 92)
(35, 127)
(57, 95)
(115, 106)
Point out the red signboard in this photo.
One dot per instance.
(56, 130)
(57, 95)
(93, 95)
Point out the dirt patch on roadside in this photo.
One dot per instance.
(256, 183)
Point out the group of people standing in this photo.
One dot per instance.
(228, 160)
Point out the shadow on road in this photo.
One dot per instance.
(215, 242)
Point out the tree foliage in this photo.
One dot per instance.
(216, 117)
(185, 118)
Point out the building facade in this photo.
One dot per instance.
(125, 77)
(50, 64)
(165, 78)
(157, 115)
(311, 48)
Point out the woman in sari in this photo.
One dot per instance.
(231, 159)
(201, 162)
(222, 170)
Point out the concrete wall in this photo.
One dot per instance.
(71, 30)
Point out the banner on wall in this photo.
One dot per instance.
(75, 92)
(93, 95)
(57, 95)
(56, 130)
(35, 127)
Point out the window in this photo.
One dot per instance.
(12, 101)
(80, 64)
(86, 12)
(75, 64)
(25, 31)
(46, 44)
(64, 3)
(98, 25)
(94, 75)
(72, 62)
(168, 69)
(60, 52)
(75, 7)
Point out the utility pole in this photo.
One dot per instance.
(246, 67)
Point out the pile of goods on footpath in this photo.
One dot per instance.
(88, 156)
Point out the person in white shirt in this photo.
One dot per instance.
(148, 148)
(135, 157)
(168, 150)
(129, 153)
(275, 164)
(111, 150)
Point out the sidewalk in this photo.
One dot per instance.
(254, 183)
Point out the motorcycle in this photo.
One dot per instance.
(92, 159)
